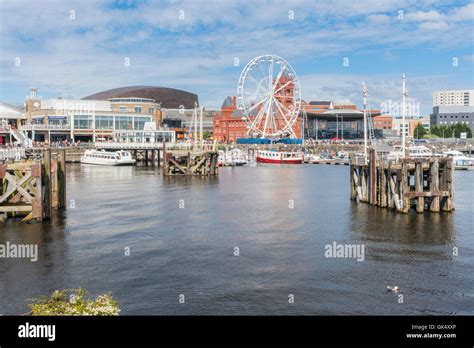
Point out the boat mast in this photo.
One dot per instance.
(364, 94)
(404, 95)
(201, 136)
(194, 124)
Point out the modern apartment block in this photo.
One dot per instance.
(453, 98)
(453, 107)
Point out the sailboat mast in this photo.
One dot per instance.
(364, 93)
(404, 128)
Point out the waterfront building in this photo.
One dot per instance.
(383, 122)
(101, 114)
(181, 120)
(453, 107)
(228, 125)
(145, 136)
(411, 123)
(11, 117)
(332, 119)
(453, 98)
(451, 115)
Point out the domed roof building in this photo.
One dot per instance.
(169, 98)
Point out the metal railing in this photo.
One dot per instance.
(44, 127)
(12, 154)
(135, 145)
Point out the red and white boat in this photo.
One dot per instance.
(279, 157)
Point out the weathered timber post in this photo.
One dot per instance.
(448, 179)
(47, 206)
(188, 164)
(383, 185)
(37, 202)
(62, 178)
(434, 186)
(405, 188)
(352, 182)
(420, 200)
(372, 177)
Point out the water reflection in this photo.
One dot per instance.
(282, 248)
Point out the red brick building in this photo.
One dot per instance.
(383, 122)
(228, 124)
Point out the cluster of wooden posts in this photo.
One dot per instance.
(179, 162)
(147, 156)
(32, 189)
(422, 183)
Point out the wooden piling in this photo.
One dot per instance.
(32, 189)
(420, 200)
(388, 185)
(62, 178)
(47, 207)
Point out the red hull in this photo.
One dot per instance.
(278, 161)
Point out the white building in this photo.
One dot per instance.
(10, 114)
(453, 98)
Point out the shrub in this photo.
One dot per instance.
(74, 302)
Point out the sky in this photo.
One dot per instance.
(75, 48)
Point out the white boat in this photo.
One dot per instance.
(234, 157)
(279, 157)
(461, 161)
(414, 151)
(117, 158)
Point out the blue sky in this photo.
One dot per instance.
(75, 57)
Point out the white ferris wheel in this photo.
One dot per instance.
(269, 97)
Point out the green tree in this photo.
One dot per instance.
(419, 131)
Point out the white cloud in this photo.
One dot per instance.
(86, 55)
(422, 16)
(433, 26)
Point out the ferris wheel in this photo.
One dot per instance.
(269, 97)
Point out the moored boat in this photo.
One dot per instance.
(117, 158)
(414, 151)
(461, 161)
(279, 157)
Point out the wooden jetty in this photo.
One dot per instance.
(420, 183)
(73, 154)
(182, 162)
(33, 188)
(335, 162)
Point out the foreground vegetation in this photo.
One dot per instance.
(74, 302)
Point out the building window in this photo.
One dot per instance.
(122, 109)
(139, 122)
(123, 122)
(138, 109)
(104, 122)
(83, 122)
(151, 110)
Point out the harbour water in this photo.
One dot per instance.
(182, 233)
